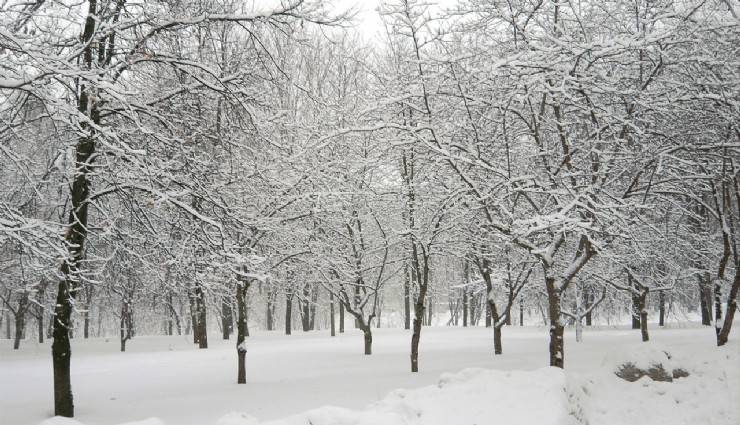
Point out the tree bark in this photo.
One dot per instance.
(20, 319)
(557, 352)
(406, 298)
(341, 317)
(226, 319)
(331, 314)
(242, 286)
(288, 311)
(661, 308)
(705, 297)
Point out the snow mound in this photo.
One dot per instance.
(708, 396)
(473, 396)
(655, 361)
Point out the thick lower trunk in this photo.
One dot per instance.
(557, 348)
(724, 333)
(661, 308)
(497, 346)
(642, 306)
(368, 339)
(415, 337)
(60, 348)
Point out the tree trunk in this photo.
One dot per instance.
(341, 317)
(497, 346)
(406, 299)
(201, 312)
(557, 351)
(20, 320)
(368, 338)
(521, 312)
(270, 312)
(241, 325)
(465, 308)
(418, 312)
(661, 308)
(705, 296)
(288, 311)
(226, 319)
(312, 308)
(331, 315)
(724, 333)
(588, 299)
(642, 304)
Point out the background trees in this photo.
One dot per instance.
(169, 163)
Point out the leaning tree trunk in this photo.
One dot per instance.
(724, 333)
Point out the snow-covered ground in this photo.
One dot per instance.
(169, 379)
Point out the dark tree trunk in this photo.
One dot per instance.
(127, 323)
(242, 287)
(20, 319)
(557, 351)
(288, 311)
(635, 312)
(661, 308)
(521, 312)
(489, 321)
(642, 310)
(588, 298)
(270, 310)
(40, 302)
(465, 308)
(312, 308)
(368, 339)
(305, 308)
(331, 315)
(226, 319)
(724, 333)
(497, 347)
(341, 317)
(511, 302)
(201, 312)
(705, 297)
(422, 279)
(406, 299)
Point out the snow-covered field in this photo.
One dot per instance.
(290, 378)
